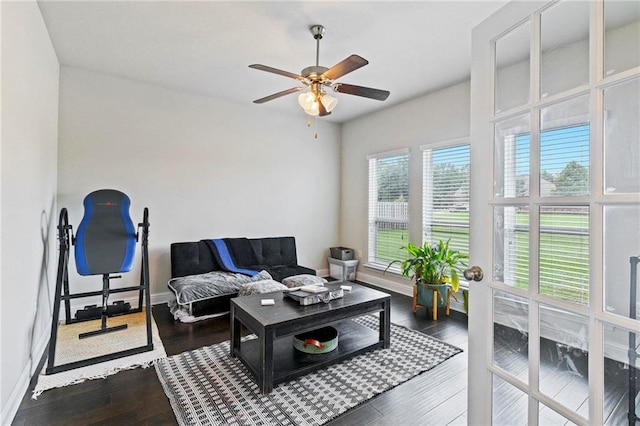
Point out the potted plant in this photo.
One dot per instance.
(435, 268)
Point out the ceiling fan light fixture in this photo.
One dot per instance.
(329, 102)
(308, 102)
(314, 109)
(305, 99)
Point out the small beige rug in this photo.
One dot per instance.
(70, 349)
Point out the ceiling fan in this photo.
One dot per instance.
(317, 78)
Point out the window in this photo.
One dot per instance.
(445, 198)
(388, 207)
(563, 232)
(564, 162)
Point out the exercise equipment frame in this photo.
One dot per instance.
(62, 293)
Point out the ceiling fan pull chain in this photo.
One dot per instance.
(315, 134)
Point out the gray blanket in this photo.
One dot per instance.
(193, 288)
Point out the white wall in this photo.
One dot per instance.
(27, 197)
(204, 167)
(435, 117)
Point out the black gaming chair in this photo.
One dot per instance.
(104, 244)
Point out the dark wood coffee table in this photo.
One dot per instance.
(272, 359)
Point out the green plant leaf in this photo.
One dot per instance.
(432, 263)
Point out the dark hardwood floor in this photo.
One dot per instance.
(136, 396)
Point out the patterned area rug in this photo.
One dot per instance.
(208, 387)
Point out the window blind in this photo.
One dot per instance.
(388, 207)
(563, 233)
(564, 161)
(564, 253)
(445, 199)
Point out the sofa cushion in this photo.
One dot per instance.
(258, 287)
(192, 288)
(192, 258)
(241, 252)
(302, 279)
(276, 251)
(281, 272)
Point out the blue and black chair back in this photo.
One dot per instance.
(105, 242)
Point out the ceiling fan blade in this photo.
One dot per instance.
(365, 92)
(277, 95)
(352, 63)
(276, 71)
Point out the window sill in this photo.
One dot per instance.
(464, 285)
(381, 268)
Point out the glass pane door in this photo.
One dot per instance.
(560, 300)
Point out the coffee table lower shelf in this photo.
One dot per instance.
(289, 363)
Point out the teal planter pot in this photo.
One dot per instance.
(423, 295)
(432, 263)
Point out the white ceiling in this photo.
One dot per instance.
(205, 47)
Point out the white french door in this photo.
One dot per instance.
(555, 196)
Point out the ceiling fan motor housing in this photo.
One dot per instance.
(314, 72)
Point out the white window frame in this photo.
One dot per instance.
(372, 260)
(427, 182)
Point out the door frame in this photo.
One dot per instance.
(481, 369)
(479, 399)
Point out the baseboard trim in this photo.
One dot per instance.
(10, 409)
(160, 298)
(405, 289)
(322, 272)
